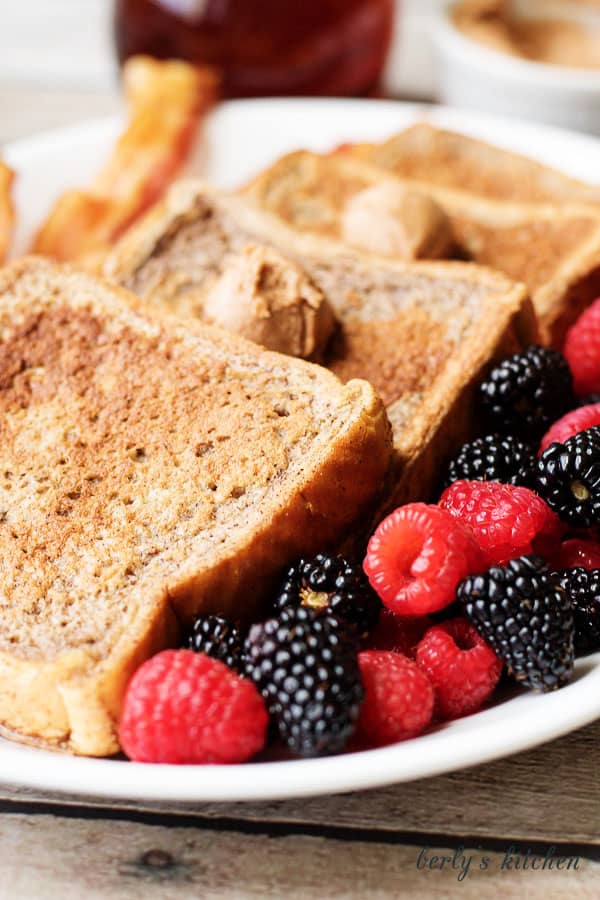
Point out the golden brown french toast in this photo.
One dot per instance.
(554, 249)
(151, 469)
(422, 333)
(453, 160)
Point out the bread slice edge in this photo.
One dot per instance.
(72, 702)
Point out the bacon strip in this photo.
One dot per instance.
(7, 210)
(167, 101)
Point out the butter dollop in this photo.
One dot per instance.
(270, 300)
(392, 220)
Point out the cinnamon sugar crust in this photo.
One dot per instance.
(554, 249)
(150, 470)
(421, 332)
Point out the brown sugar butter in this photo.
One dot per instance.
(555, 41)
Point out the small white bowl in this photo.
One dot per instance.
(473, 76)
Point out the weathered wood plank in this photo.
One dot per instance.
(52, 858)
(549, 794)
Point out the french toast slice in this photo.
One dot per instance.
(423, 334)
(554, 249)
(452, 160)
(151, 469)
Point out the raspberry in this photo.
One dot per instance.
(417, 557)
(392, 632)
(398, 700)
(579, 553)
(582, 350)
(184, 707)
(507, 521)
(575, 421)
(462, 668)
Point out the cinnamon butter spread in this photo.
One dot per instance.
(269, 300)
(390, 220)
(557, 41)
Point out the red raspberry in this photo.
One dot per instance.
(575, 421)
(582, 350)
(398, 700)
(462, 668)
(392, 632)
(184, 707)
(579, 552)
(507, 521)
(417, 557)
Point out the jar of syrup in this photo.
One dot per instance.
(265, 47)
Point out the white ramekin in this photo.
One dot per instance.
(473, 76)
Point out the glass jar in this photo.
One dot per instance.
(265, 47)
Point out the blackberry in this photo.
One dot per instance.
(494, 457)
(527, 392)
(568, 478)
(305, 664)
(333, 584)
(583, 587)
(218, 637)
(526, 618)
(590, 400)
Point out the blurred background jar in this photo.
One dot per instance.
(266, 47)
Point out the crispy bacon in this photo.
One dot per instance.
(7, 210)
(167, 101)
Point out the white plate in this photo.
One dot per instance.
(241, 137)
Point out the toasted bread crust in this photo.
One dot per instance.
(554, 248)
(346, 479)
(449, 159)
(451, 416)
(420, 332)
(71, 703)
(69, 696)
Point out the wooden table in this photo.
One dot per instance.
(535, 807)
(387, 843)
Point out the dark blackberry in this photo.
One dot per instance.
(218, 637)
(333, 584)
(589, 400)
(527, 392)
(494, 457)
(526, 618)
(305, 664)
(583, 587)
(568, 478)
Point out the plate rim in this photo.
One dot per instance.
(289, 779)
(441, 115)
